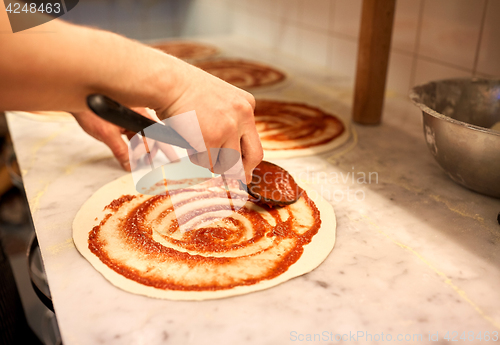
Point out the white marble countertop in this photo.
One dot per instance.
(416, 254)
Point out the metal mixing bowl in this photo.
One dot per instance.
(458, 114)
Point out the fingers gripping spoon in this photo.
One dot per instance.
(271, 185)
(122, 116)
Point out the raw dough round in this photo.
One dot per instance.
(92, 212)
(187, 50)
(245, 74)
(285, 117)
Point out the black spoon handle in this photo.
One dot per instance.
(122, 116)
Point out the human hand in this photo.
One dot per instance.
(112, 136)
(108, 133)
(130, 73)
(224, 112)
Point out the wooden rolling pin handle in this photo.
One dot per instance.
(377, 19)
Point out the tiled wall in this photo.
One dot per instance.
(153, 19)
(432, 39)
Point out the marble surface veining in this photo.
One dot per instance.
(416, 255)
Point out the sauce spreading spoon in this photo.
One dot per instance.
(272, 186)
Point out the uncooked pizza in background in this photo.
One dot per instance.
(243, 73)
(187, 50)
(288, 129)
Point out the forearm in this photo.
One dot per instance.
(60, 67)
(55, 66)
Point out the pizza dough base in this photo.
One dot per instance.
(263, 89)
(314, 150)
(314, 253)
(287, 77)
(213, 54)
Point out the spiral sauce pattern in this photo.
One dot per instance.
(141, 238)
(289, 125)
(242, 73)
(187, 50)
